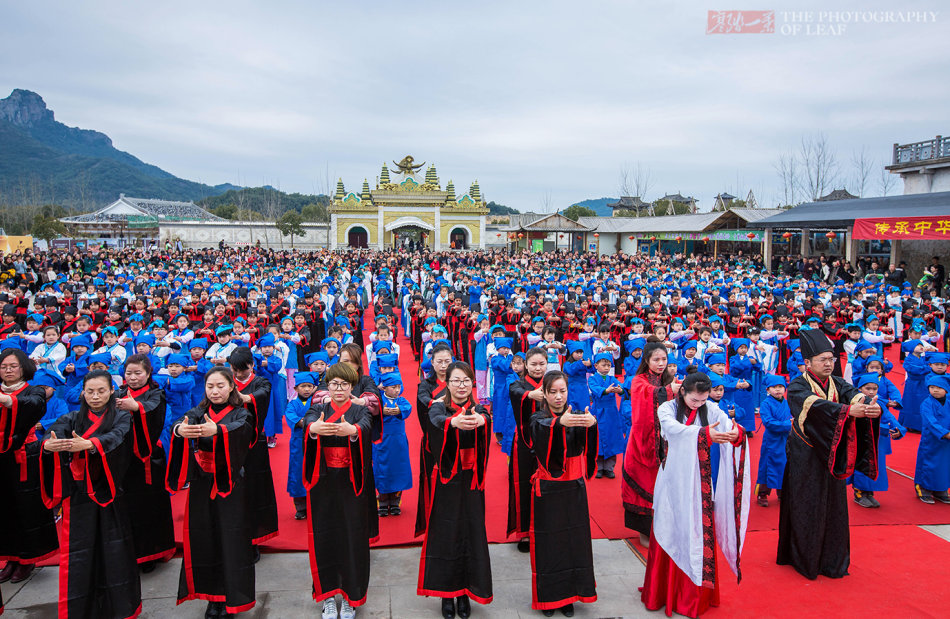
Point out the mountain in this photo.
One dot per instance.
(599, 205)
(43, 160)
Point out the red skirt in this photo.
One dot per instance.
(667, 585)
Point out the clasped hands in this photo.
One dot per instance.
(871, 410)
(570, 419)
(196, 430)
(723, 437)
(329, 428)
(74, 444)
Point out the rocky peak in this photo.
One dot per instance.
(25, 108)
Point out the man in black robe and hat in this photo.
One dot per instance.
(834, 433)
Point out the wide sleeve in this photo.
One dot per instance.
(551, 443)
(147, 423)
(19, 419)
(55, 482)
(645, 442)
(108, 461)
(929, 413)
(522, 407)
(843, 442)
(230, 446)
(775, 415)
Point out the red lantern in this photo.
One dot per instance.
(630, 237)
(652, 238)
(521, 235)
(787, 236)
(561, 236)
(831, 235)
(597, 235)
(750, 236)
(498, 235)
(679, 238)
(705, 239)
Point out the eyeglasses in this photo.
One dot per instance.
(7, 368)
(338, 385)
(461, 382)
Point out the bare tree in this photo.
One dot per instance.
(862, 167)
(545, 201)
(819, 165)
(787, 168)
(887, 180)
(636, 181)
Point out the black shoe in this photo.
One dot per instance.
(212, 610)
(300, 504)
(300, 514)
(7, 572)
(862, 499)
(943, 497)
(448, 608)
(148, 567)
(383, 512)
(870, 496)
(547, 613)
(257, 554)
(925, 495)
(463, 606)
(524, 546)
(600, 473)
(22, 572)
(394, 510)
(568, 611)
(609, 474)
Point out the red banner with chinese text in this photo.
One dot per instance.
(897, 228)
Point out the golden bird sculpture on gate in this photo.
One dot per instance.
(407, 165)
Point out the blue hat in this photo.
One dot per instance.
(520, 355)
(390, 378)
(907, 346)
(503, 342)
(301, 378)
(496, 328)
(136, 318)
(81, 340)
(43, 378)
(717, 380)
(689, 344)
(387, 361)
(735, 343)
(864, 379)
(382, 344)
(39, 318)
(939, 380)
(179, 359)
(317, 356)
(222, 330)
(603, 356)
(145, 338)
(937, 357)
(793, 344)
(864, 345)
(102, 357)
(111, 330)
(267, 340)
(574, 346)
(327, 340)
(716, 358)
(198, 342)
(772, 380)
(636, 343)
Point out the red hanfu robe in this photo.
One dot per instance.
(98, 575)
(218, 564)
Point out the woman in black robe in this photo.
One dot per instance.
(338, 463)
(150, 507)
(455, 564)
(562, 561)
(85, 457)
(27, 529)
(526, 396)
(209, 447)
(431, 388)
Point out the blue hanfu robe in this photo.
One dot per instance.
(888, 422)
(683, 364)
(604, 408)
(273, 423)
(391, 467)
(777, 421)
(295, 412)
(503, 418)
(578, 394)
(915, 392)
(795, 360)
(740, 368)
(202, 366)
(933, 455)
(55, 408)
(74, 379)
(727, 406)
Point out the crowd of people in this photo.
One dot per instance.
(128, 375)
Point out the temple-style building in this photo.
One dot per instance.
(407, 211)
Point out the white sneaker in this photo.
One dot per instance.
(329, 609)
(347, 611)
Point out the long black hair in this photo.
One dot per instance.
(697, 382)
(92, 375)
(651, 347)
(234, 399)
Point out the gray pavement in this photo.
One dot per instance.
(283, 588)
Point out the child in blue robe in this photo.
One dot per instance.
(777, 421)
(740, 368)
(268, 365)
(915, 389)
(317, 363)
(381, 364)
(294, 414)
(795, 365)
(503, 375)
(604, 389)
(871, 384)
(576, 368)
(716, 364)
(179, 387)
(197, 348)
(391, 466)
(634, 350)
(932, 474)
(717, 394)
(55, 407)
(73, 368)
(688, 357)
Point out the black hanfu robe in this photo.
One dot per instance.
(27, 529)
(824, 448)
(368, 391)
(429, 389)
(562, 560)
(337, 474)
(218, 563)
(149, 505)
(455, 558)
(97, 568)
(261, 496)
(522, 464)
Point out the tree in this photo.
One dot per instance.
(290, 224)
(226, 211)
(577, 211)
(48, 228)
(819, 166)
(636, 181)
(315, 212)
(787, 169)
(500, 209)
(886, 180)
(863, 165)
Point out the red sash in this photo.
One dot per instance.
(574, 468)
(206, 458)
(78, 463)
(337, 457)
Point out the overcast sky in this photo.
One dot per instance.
(542, 102)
